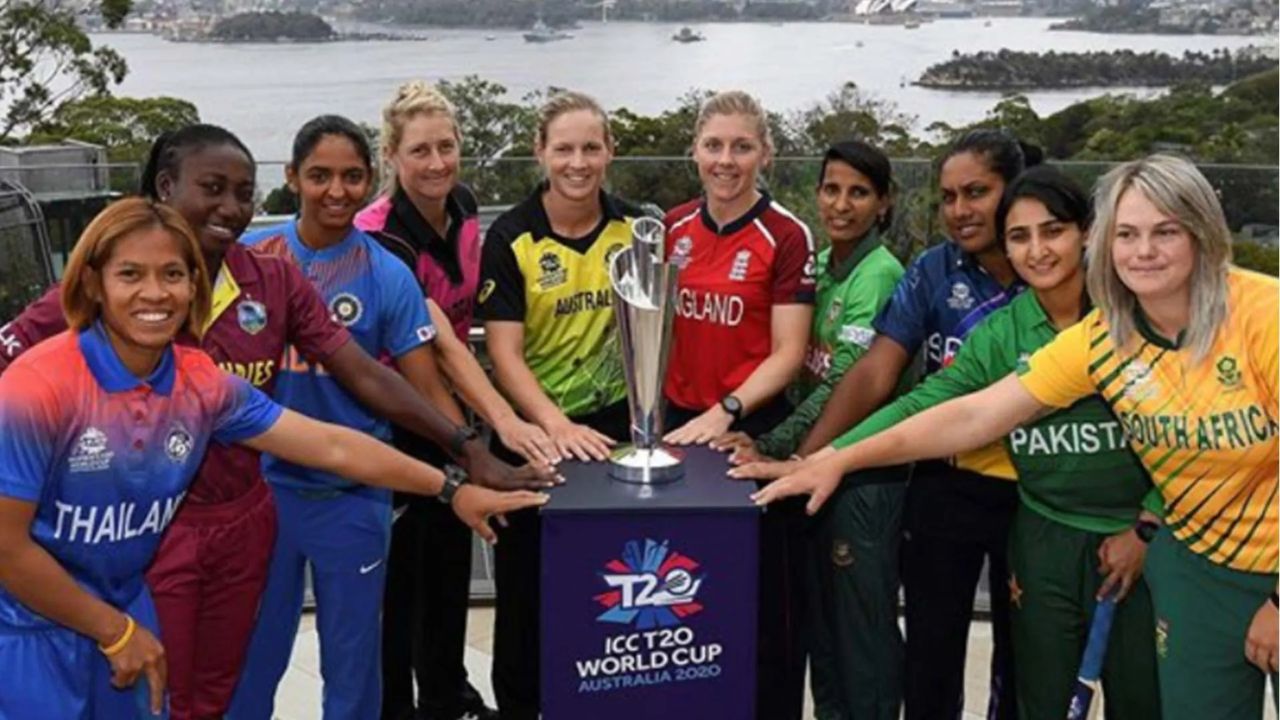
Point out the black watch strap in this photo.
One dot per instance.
(1146, 530)
(454, 478)
(732, 405)
(463, 435)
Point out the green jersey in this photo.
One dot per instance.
(1073, 466)
(849, 294)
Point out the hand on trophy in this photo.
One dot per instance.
(580, 441)
(703, 429)
(529, 440)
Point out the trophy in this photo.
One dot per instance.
(644, 290)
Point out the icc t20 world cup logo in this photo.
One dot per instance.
(653, 586)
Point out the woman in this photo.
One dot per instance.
(746, 290)
(428, 218)
(554, 354)
(211, 566)
(1180, 341)
(1076, 535)
(855, 646)
(101, 430)
(337, 528)
(957, 513)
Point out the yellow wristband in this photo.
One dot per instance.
(115, 647)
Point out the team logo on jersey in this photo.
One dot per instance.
(553, 271)
(1139, 383)
(741, 264)
(652, 586)
(681, 251)
(841, 553)
(1229, 372)
(833, 311)
(346, 309)
(609, 255)
(178, 444)
(90, 453)
(252, 316)
(961, 297)
(485, 291)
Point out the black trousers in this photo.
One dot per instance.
(516, 567)
(954, 520)
(424, 611)
(781, 598)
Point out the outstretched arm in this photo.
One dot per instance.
(866, 386)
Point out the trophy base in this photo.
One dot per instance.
(660, 465)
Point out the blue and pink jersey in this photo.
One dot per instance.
(106, 457)
(376, 298)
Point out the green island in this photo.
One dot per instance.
(1015, 70)
(272, 26)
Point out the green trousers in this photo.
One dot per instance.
(855, 645)
(1203, 611)
(1052, 588)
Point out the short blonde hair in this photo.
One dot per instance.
(1178, 189)
(735, 102)
(82, 278)
(412, 99)
(565, 102)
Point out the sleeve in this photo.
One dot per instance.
(905, 318)
(311, 327)
(854, 338)
(40, 320)
(501, 295)
(973, 369)
(1265, 348)
(406, 324)
(246, 412)
(794, 267)
(1058, 373)
(28, 427)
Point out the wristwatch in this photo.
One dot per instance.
(1146, 530)
(463, 435)
(454, 478)
(733, 406)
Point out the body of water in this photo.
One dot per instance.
(265, 92)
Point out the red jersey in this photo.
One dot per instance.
(261, 304)
(730, 279)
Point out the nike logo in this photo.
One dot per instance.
(366, 569)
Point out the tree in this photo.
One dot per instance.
(47, 60)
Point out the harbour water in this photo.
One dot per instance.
(265, 91)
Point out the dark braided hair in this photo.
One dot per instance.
(171, 147)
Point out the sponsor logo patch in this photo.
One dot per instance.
(961, 297)
(90, 453)
(553, 271)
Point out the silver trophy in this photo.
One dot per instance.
(644, 302)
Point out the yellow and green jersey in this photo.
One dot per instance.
(1206, 431)
(559, 289)
(1074, 466)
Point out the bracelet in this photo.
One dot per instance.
(115, 647)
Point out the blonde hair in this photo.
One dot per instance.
(1179, 190)
(565, 102)
(735, 102)
(412, 99)
(97, 243)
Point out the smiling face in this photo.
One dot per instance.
(1154, 253)
(970, 196)
(1044, 250)
(848, 203)
(730, 153)
(426, 160)
(214, 193)
(332, 183)
(145, 293)
(575, 155)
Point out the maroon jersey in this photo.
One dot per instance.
(261, 305)
(730, 279)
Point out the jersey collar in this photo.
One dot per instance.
(734, 226)
(540, 224)
(1150, 335)
(109, 370)
(305, 253)
(868, 243)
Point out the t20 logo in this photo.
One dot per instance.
(653, 586)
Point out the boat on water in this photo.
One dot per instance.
(541, 33)
(911, 24)
(688, 35)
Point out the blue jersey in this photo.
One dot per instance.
(106, 457)
(944, 294)
(371, 293)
